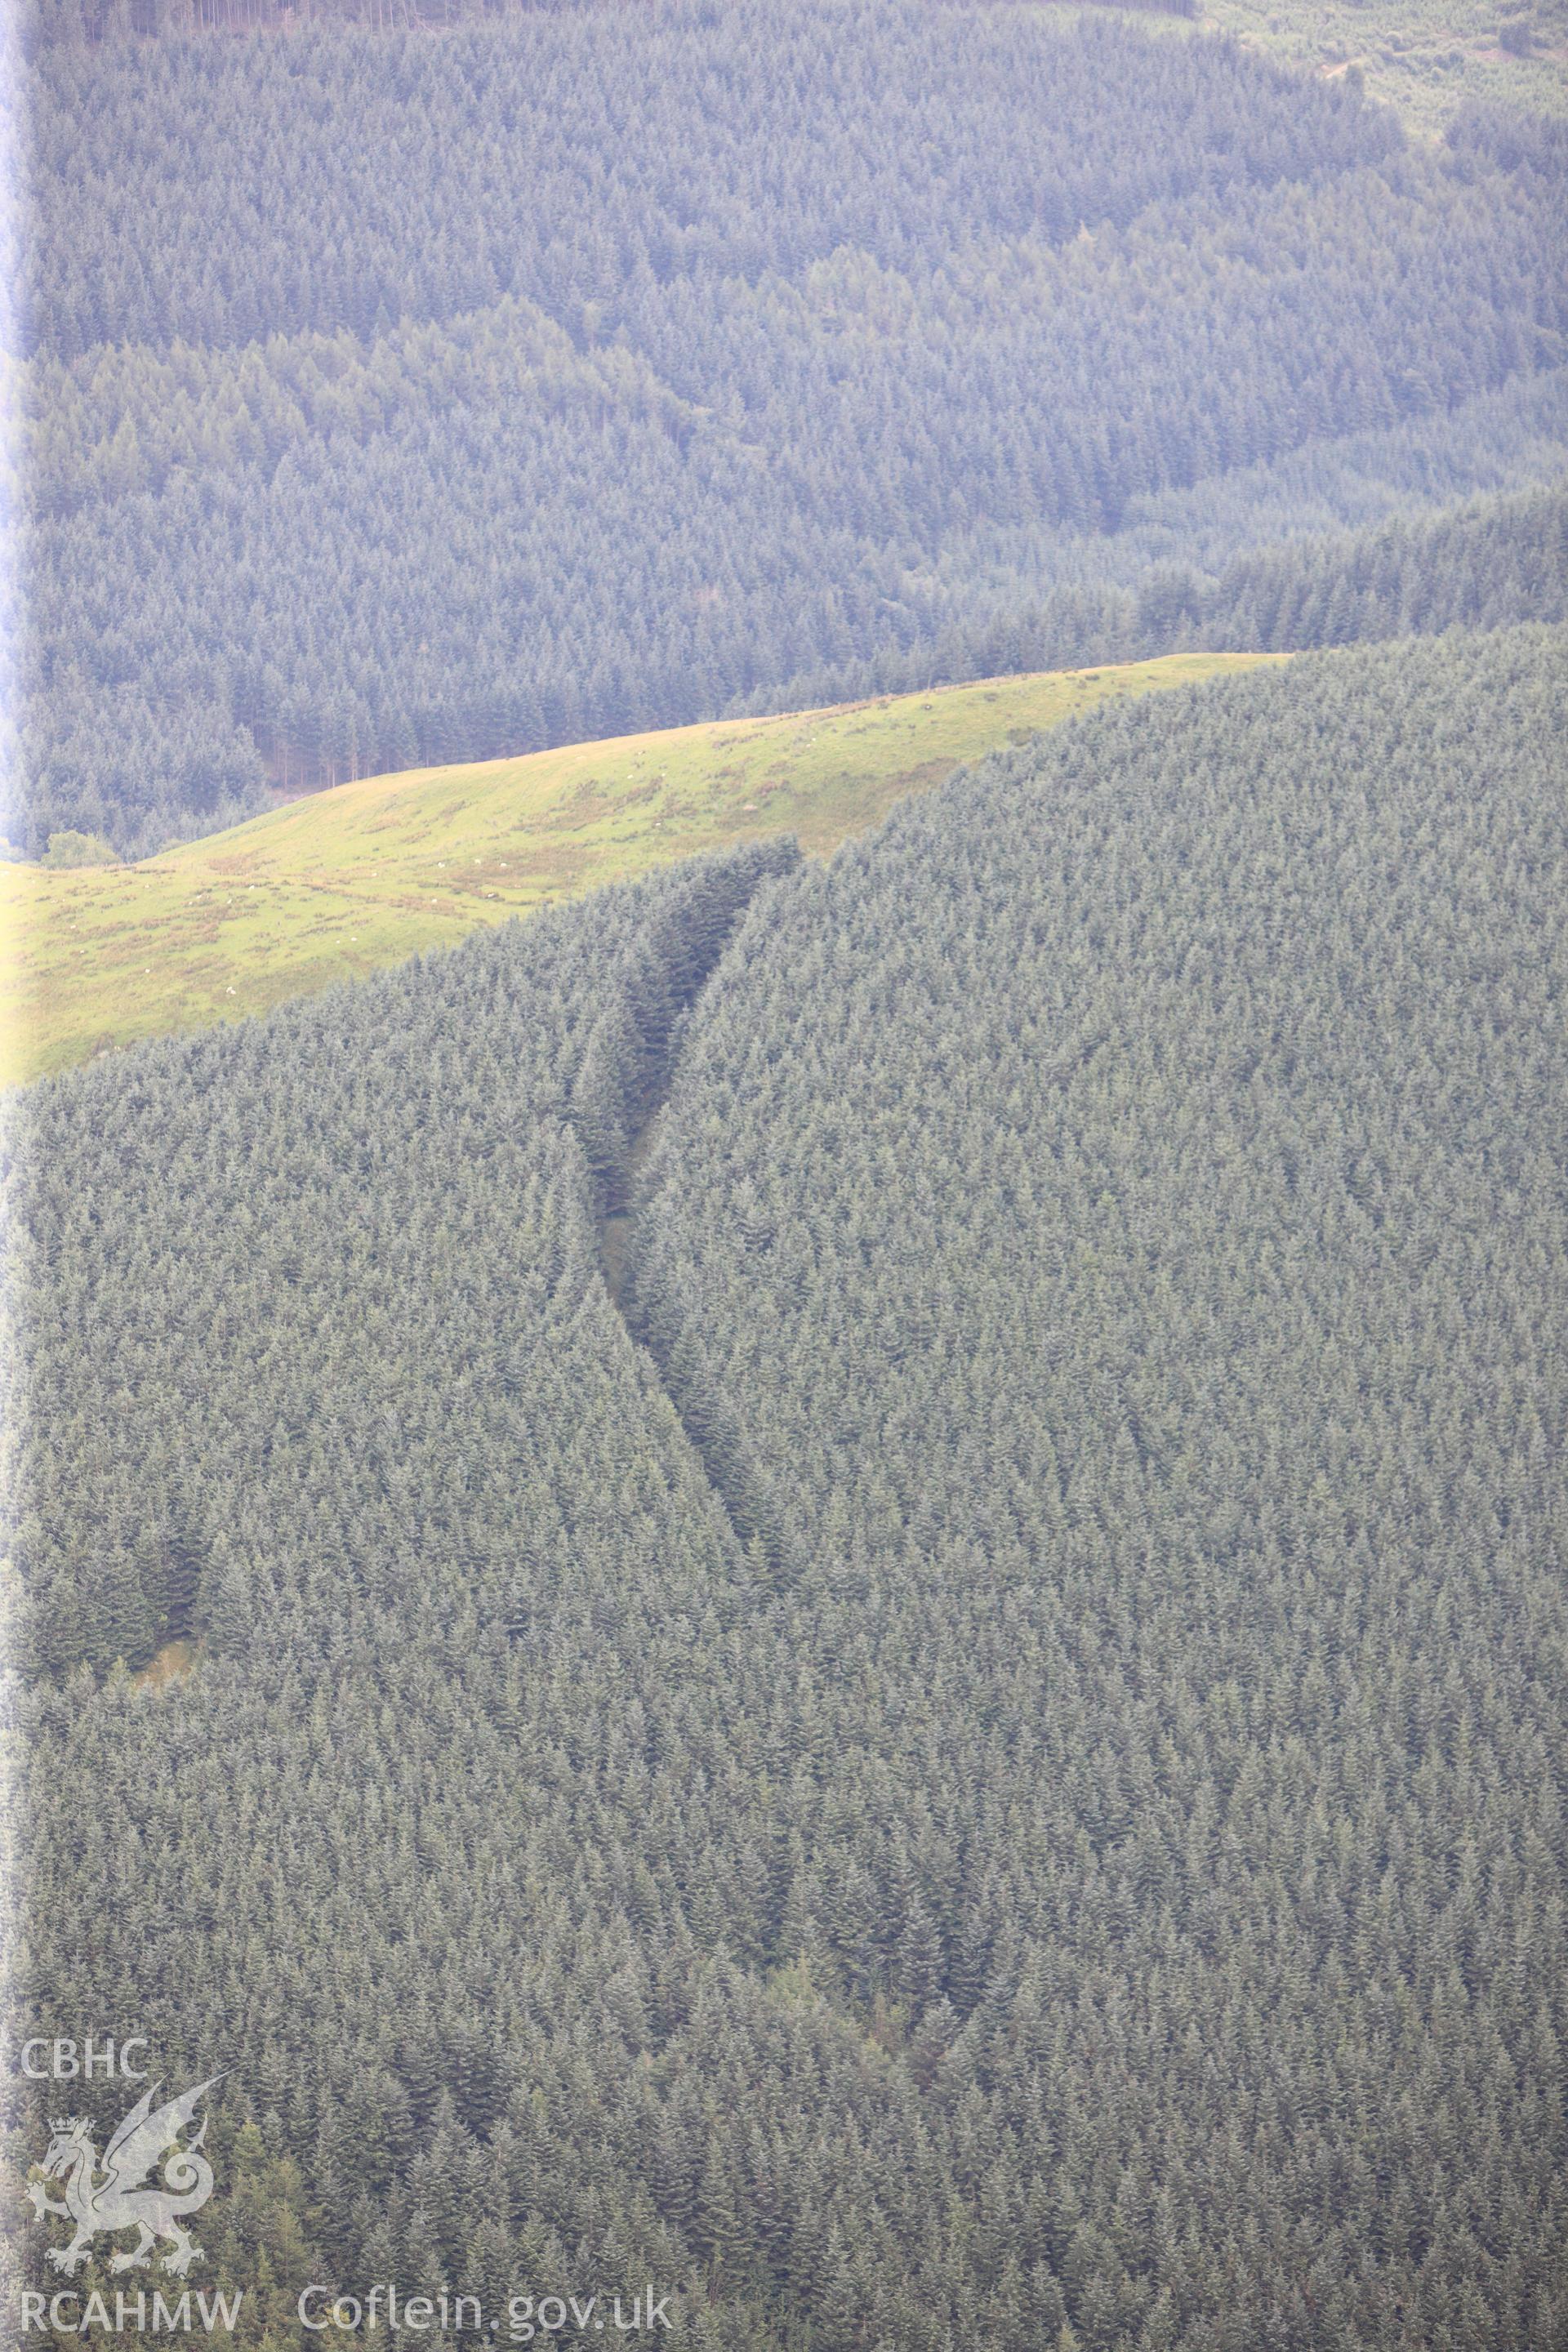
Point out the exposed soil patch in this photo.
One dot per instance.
(175, 1663)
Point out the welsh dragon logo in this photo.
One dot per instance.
(117, 2195)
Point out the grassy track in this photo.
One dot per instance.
(333, 885)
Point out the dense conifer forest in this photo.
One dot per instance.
(878, 1558)
(831, 1588)
(74, 22)
(391, 397)
(1483, 565)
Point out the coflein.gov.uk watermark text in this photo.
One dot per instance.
(324, 2311)
(527, 2317)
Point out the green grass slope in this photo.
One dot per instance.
(1426, 58)
(1423, 58)
(334, 885)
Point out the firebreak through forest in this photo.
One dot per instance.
(977, 1763)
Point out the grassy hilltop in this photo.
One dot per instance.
(337, 884)
(1426, 58)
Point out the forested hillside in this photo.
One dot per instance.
(391, 398)
(1484, 565)
(72, 22)
(925, 1702)
(1425, 57)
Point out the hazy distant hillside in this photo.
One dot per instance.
(605, 368)
(1426, 58)
(978, 1763)
(1484, 565)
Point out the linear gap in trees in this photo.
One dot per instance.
(622, 1086)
